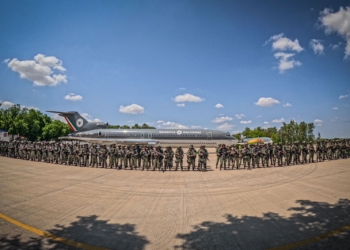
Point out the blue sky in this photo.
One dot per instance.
(170, 63)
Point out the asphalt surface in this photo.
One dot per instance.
(127, 209)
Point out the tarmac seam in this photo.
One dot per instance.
(313, 239)
(51, 236)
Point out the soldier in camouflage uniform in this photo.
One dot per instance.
(311, 150)
(113, 156)
(145, 156)
(246, 153)
(288, 151)
(217, 155)
(179, 155)
(265, 156)
(168, 158)
(103, 153)
(223, 152)
(94, 154)
(202, 158)
(191, 157)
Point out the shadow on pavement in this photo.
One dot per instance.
(309, 219)
(87, 230)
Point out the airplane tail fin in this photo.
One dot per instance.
(75, 121)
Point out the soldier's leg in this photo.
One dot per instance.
(217, 161)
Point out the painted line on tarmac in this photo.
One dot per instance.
(313, 239)
(51, 236)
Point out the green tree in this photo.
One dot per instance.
(54, 130)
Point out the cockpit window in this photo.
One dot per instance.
(228, 134)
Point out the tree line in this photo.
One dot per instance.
(290, 132)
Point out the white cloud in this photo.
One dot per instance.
(40, 70)
(222, 119)
(285, 61)
(6, 60)
(225, 126)
(338, 22)
(245, 122)
(160, 121)
(239, 116)
(89, 118)
(266, 102)
(318, 121)
(7, 104)
(320, 124)
(335, 46)
(188, 98)
(182, 88)
(180, 105)
(132, 109)
(218, 106)
(73, 97)
(335, 108)
(343, 96)
(316, 46)
(278, 120)
(171, 125)
(57, 117)
(266, 123)
(283, 43)
(287, 105)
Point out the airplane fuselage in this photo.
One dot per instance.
(161, 137)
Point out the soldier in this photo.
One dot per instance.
(236, 157)
(50, 153)
(71, 154)
(94, 153)
(304, 152)
(39, 151)
(122, 156)
(80, 155)
(255, 155)
(330, 150)
(158, 158)
(223, 156)
(118, 162)
(32, 152)
(168, 158)
(246, 153)
(103, 153)
(311, 150)
(145, 156)
(265, 156)
(191, 158)
(295, 152)
(57, 152)
(138, 155)
(274, 154)
(86, 152)
(133, 155)
(202, 158)
(280, 154)
(217, 155)
(113, 156)
(288, 151)
(179, 155)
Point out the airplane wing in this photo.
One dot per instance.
(109, 141)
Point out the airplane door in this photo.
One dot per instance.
(209, 136)
(142, 135)
(149, 136)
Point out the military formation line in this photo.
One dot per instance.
(155, 158)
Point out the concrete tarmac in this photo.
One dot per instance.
(127, 209)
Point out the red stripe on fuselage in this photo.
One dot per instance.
(70, 125)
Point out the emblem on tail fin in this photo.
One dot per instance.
(80, 122)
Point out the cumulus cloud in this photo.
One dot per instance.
(58, 117)
(222, 119)
(280, 42)
(171, 125)
(335, 108)
(195, 127)
(318, 121)
(335, 46)
(180, 105)
(278, 120)
(6, 104)
(218, 106)
(316, 46)
(73, 97)
(266, 102)
(41, 70)
(132, 109)
(239, 116)
(265, 122)
(89, 118)
(343, 96)
(285, 61)
(287, 105)
(160, 121)
(188, 98)
(225, 126)
(245, 122)
(338, 22)
(7, 60)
